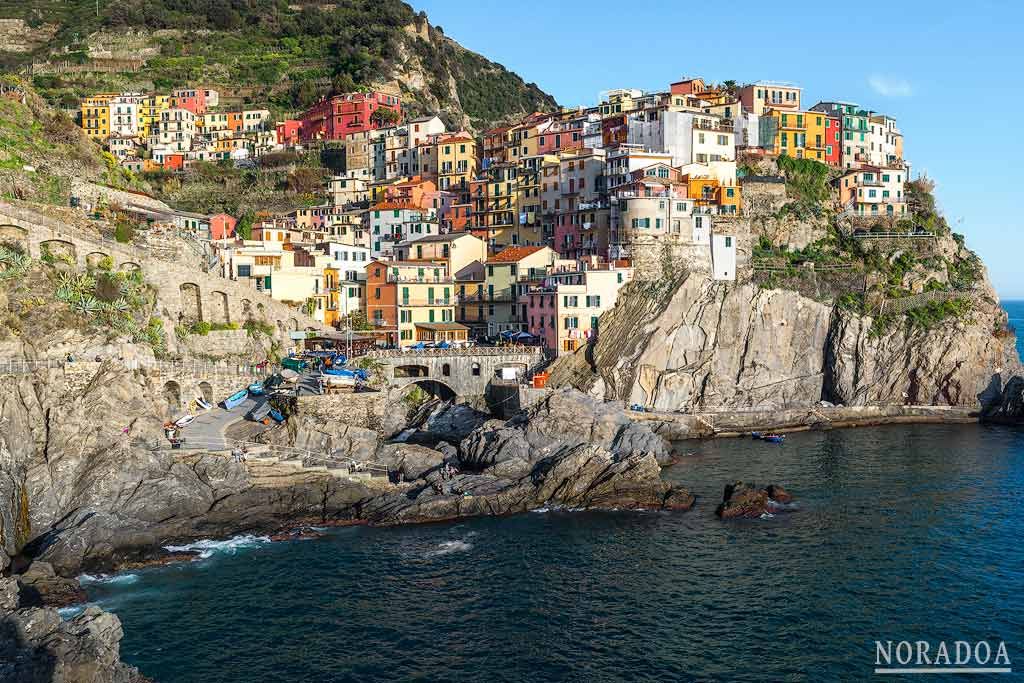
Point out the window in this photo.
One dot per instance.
(476, 369)
(572, 323)
(405, 316)
(728, 242)
(446, 370)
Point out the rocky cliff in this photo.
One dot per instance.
(700, 345)
(37, 645)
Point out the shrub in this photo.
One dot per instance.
(200, 327)
(124, 232)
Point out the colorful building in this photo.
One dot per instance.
(334, 118)
(96, 115)
(798, 134)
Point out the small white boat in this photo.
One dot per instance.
(338, 380)
(184, 421)
(203, 404)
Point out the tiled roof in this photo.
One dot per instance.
(513, 254)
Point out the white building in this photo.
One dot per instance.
(393, 223)
(689, 137)
(723, 257)
(175, 131)
(124, 115)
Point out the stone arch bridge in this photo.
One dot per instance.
(451, 373)
(185, 293)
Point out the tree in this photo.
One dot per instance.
(244, 226)
(384, 117)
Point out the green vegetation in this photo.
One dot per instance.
(807, 182)
(275, 52)
(258, 327)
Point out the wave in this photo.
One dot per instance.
(86, 579)
(766, 515)
(207, 548)
(776, 506)
(449, 547)
(70, 612)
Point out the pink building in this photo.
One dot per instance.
(289, 132)
(192, 100)
(222, 226)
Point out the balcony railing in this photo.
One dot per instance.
(486, 298)
(450, 301)
(425, 280)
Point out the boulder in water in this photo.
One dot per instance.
(746, 500)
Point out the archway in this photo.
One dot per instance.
(246, 308)
(433, 387)
(14, 237)
(172, 395)
(411, 371)
(97, 259)
(191, 302)
(293, 325)
(60, 250)
(219, 307)
(129, 266)
(207, 390)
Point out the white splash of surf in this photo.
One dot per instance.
(207, 548)
(449, 547)
(87, 579)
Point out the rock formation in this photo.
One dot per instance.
(745, 500)
(37, 645)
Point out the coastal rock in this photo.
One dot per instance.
(706, 346)
(453, 422)
(37, 645)
(745, 500)
(41, 587)
(413, 461)
(1009, 407)
(584, 476)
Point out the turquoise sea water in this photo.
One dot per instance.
(901, 533)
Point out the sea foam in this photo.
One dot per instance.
(207, 548)
(449, 547)
(86, 579)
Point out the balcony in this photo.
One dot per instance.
(504, 296)
(412, 302)
(425, 280)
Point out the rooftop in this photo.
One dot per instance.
(513, 254)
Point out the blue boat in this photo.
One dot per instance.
(774, 438)
(756, 435)
(342, 372)
(256, 388)
(278, 417)
(236, 399)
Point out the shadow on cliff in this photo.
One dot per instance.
(28, 661)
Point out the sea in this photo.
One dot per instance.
(897, 533)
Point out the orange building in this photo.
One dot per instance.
(381, 302)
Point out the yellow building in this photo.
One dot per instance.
(96, 115)
(150, 109)
(456, 164)
(799, 134)
(425, 302)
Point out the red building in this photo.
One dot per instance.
(833, 140)
(222, 226)
(289, 132)
(174, 162)
(381, 302)
(193, 100)
(341, 115)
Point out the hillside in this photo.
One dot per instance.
(259, 52)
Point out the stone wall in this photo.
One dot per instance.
(17, 36)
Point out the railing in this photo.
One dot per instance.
(462, 351)
(484, 297)
(451, 301)
(17, 366)
(420, 280)
(892, 235)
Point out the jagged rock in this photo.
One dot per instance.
(37, 645)
(453, 422)
(583, 476)
(41, 587)
(1008, 408)
(745, 500)
(411, 460)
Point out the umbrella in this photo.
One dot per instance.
(420, 345)
(522, 336)
(507, 334)
(444, 345)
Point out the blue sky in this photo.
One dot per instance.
(951, 73)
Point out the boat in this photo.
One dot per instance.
(184, 421)
(236, 399)
(295, 363)
(256, 388)
(276, 415)
(774, 438)
(338, 380)
(756, 435)
(258, 413)
(203, 403)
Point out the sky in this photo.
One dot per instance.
(952, 74)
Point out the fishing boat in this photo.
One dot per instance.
(236, 399)
(203, 403)
(295, 363)
(276, 415)
(774, 438)
(258, 413)
(256, 388)
(184, 421)
(756, 435)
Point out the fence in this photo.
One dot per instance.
(906, 303)
(18, 366)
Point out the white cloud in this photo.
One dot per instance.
(890, 87)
